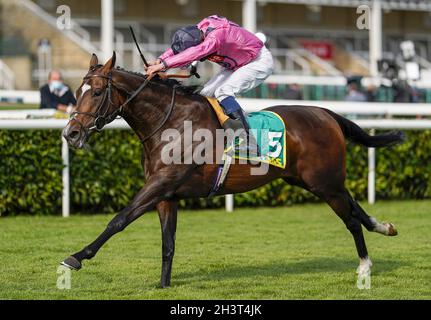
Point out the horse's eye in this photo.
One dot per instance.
(97, 93)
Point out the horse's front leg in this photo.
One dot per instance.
(168, 221)
(157, 188)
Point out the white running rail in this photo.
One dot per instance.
(25, 124)
(250, 105)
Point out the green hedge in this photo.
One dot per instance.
(106, 175)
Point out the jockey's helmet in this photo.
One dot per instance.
(185, 38)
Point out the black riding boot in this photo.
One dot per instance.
(238, 121)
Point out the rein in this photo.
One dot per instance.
(102, 118)
(168, 115)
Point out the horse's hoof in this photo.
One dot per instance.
(392, 231)
(72, 263)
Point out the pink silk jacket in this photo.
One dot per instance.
(225, 43)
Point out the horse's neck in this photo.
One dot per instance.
(148, 110)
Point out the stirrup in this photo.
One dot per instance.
(251, 149)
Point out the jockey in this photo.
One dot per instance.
(244, 59)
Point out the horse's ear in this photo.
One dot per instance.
(94, 61)
(110, 64)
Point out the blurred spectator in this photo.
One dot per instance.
(371, 93)
(403, 91)
(56, 95)
(353, 93)
(293, 92)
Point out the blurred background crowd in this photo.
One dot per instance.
(323, 49)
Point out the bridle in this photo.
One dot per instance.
(102, 117)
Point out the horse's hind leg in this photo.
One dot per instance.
(340, 202)
(168, 221)
(371, 223)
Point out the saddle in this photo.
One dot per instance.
(221, 116)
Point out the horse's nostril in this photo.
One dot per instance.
(73, 135)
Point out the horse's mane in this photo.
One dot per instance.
(171, 83)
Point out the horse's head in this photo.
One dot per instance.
(98, 103)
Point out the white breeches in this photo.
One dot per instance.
(230, 83)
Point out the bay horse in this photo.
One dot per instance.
(315, 140)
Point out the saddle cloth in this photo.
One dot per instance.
(269, 130)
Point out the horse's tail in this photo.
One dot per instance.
(355, 134)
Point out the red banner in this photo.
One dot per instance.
(322, 49)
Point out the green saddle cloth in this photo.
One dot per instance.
(270, 133)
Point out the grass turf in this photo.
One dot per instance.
(299, 252)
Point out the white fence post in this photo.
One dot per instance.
(249, 15)
(107, 28)
(372, 173)
(229, 202)
(66, 181)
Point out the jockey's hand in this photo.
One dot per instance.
(153, 63)
(151, 70)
